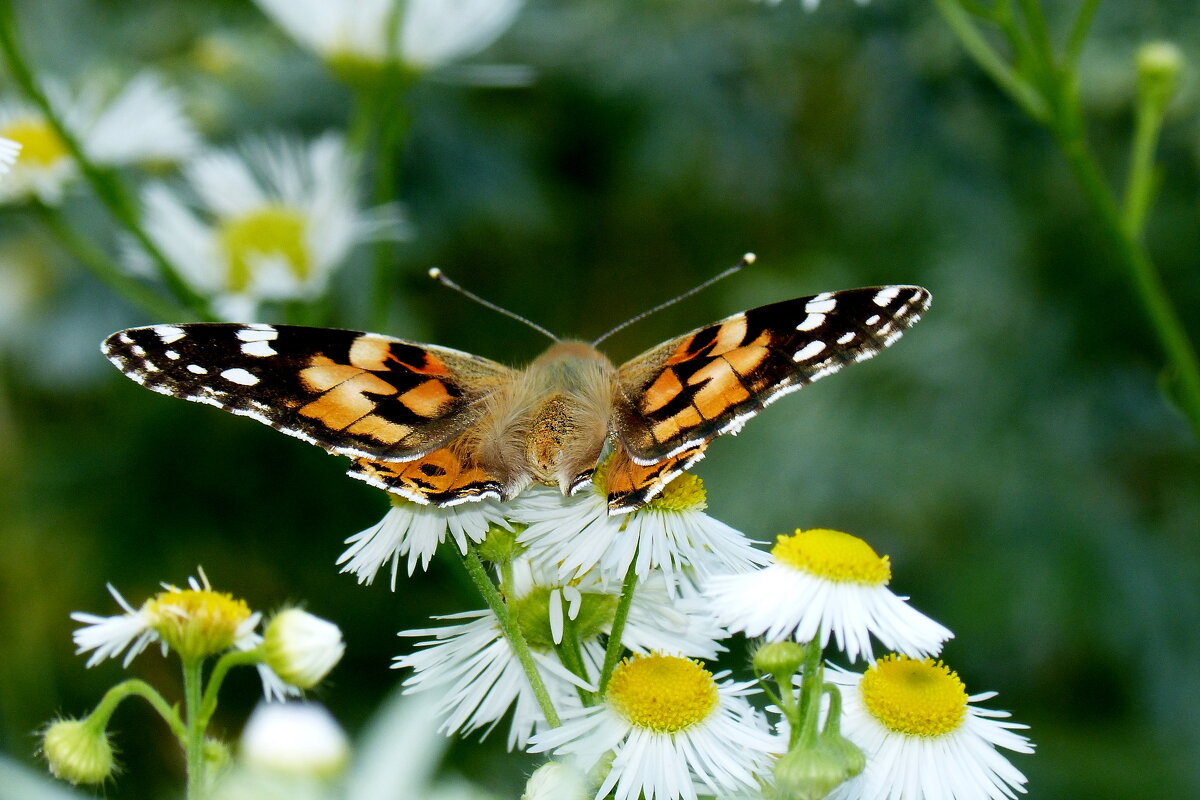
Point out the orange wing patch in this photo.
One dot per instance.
(441, 477)
(630, 485)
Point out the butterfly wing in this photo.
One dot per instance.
(677, 397)
(353, 393)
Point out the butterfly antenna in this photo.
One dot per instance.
(746, 261)
(441, 278)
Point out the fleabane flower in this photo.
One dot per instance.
(196, 622)
(302, 648)
(354, 35)
(672, 727)
(269, 221)
(141, 123)
(671, 532)
(413, 532)
(820, 583)
(923, 737)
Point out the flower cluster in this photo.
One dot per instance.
(595, 642)
(295, 651)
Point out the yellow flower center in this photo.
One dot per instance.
(273, 230)
(196, 622)
(40, 144)
(685, 493)
(833, 555)
(916, 698)
(662, 693)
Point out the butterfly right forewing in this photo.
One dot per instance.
(689, 390)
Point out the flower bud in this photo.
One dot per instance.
(1158, 68)
(295, 739)
(556, 781)
(779, 659)
(77, 752)
(811, 773)
(302, 648)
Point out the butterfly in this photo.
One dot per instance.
(440, 426)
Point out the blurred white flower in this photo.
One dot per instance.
(143, 122)
(300, 739)
(556, 780)
(270, 221)
(423, 34)
(8, 154)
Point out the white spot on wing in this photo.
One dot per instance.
(846, 338)
(138, 351)
(171, 354)
(885, 296)
(169, 333)
(239, 376)
(125, 338)
(873, 319)
(257, 347)
(810, 350)
(196, 369)
(811, 321)
(821, 304)
(262, 333)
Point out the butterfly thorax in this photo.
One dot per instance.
(571, 388)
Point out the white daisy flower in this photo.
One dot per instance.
(824, 582)
(672, 727)
(922, 736)
(9, 150)
(474, 666)
(413, 531)
(669, 533)
(428, 34)
(141, 123)
(196, 622)
(270, 221)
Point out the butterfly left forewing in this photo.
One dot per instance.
(691, 389)
(350, 392)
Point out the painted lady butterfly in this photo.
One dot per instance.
(441, 426)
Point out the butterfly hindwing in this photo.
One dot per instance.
(444, 477)
(350, 392)
(691, 389)
(630, 485)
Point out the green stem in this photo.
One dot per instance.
(570, 652)
(103, 182)
(512, 631)
(233, 658)
(394, 122)
(784, 701)
(1140, 182)
(1148, 286)
(137, 688)
(104, 268)
(812, 680)
(612, 653)
(1057, 107)
(193, 687)
(990, 61)
(1079, 32)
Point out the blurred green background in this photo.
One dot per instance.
(1012, 454)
